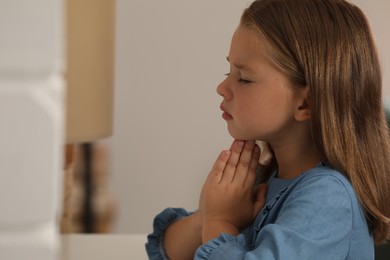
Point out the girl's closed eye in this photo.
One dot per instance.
(240, 80)
(244, 81)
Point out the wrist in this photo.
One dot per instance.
(196, 219)
(213, 228)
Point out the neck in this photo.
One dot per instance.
(294, 158)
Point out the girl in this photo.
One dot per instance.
(305, 80)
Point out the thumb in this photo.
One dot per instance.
(259, 198)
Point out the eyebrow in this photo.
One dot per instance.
(240, 66)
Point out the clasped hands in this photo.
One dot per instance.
(228, 201)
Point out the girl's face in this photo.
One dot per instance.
(259, 102)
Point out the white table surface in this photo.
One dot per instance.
(103, 247)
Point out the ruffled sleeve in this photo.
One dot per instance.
(224, 247)
(155, 246)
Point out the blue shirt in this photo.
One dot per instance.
(313, 216)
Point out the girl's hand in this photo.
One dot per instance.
(228, 202)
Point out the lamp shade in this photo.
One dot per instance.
(90, 69)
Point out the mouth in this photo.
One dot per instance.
(225, 114)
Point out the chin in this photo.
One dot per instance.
(238, 136)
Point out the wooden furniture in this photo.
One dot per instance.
(103, 247)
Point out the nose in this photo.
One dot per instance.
(223, 89)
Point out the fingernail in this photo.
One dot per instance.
(226, 152)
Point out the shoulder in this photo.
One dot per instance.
(323, 190)
(324, 179)
(319, 188)
(324, 172)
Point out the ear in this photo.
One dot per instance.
(303, 111)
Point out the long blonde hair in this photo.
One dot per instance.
(328, 46)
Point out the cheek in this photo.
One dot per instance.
(268, 109)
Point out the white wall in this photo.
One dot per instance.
(32, 122)
(168, 127)
(377, 12)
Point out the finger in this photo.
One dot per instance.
(244, 163)
(230, 168)
(231, 146)
(219, 166)
(259, 198)
(260, 192)
(252, 170)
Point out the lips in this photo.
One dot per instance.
(225, 114)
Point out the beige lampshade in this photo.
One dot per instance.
(90, 69)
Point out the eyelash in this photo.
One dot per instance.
(241, 80)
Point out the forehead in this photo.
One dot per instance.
(248, 46)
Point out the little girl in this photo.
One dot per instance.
(305, 80)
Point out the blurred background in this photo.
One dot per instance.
(169, 58)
